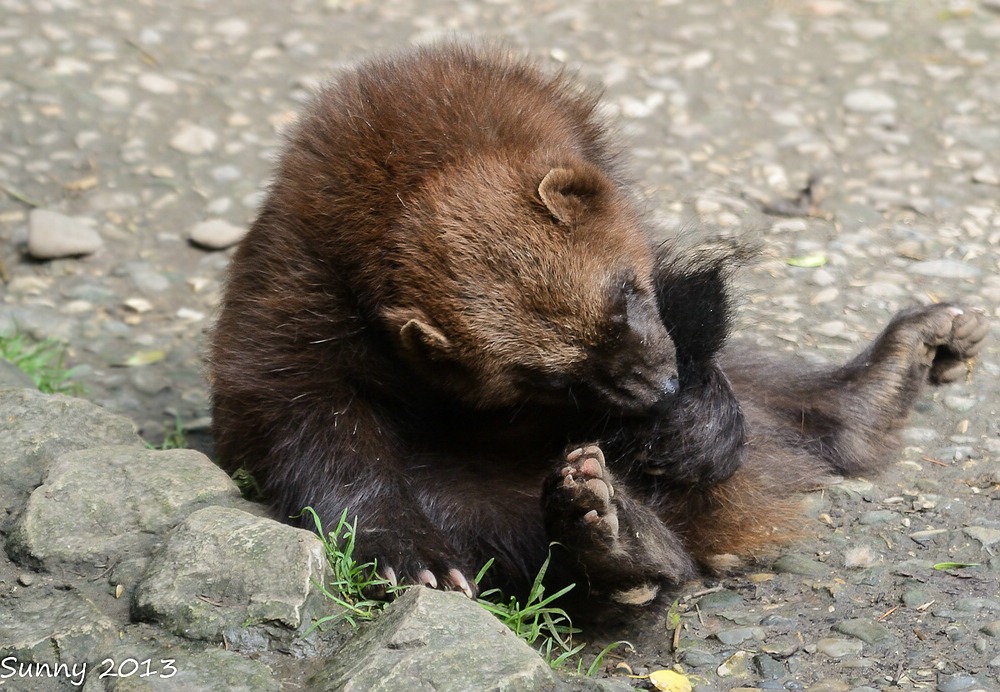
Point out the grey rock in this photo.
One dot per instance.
(914, 598)
(957, 682)
(194, 140)
(878, 516)
(699, 658)
(223, 567)
(216, 234)
(736, 635)
(985, 535)
(117, 499)
(434, 640)
(869, 101)
(12, 376)
(866, 630)
(944, 269)
(736, 666)
(57, 627)
(768, 668)
(175, 664)
(52, 235)
(720, 600)
(839, 648)
(47, 426)
(793, 563)
(991, 628)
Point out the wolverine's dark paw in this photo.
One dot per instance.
(952, 336)
(587, 488)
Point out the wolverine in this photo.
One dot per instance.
(451, 320)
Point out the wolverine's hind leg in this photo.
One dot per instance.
(849, 416)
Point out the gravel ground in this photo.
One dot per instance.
(872, 126)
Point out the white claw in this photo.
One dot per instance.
(460, 582)
(389, 574)
(427, 578)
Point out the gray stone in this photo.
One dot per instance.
(985, 535)
(736, 666)
(52, 235)
(12, 376)
(736, 635)
(720, 600)
(434, 640)
(869, 101)
(957, 682)
(175, 664)
(36, 428)
(223, 567)
(116, 499)
(216, 234)
(793, 563)
(57, 627)
(194, 139)
(768, 668)
(839, 648)
(866, 630)
(944, 269)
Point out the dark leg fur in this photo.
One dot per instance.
(849, 417)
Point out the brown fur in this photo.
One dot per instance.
(449, 292)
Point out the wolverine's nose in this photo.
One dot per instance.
(668, 390)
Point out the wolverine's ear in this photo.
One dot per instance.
(571, 193)
(417, 335)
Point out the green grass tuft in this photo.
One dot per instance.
(43, 361)
(350, 581)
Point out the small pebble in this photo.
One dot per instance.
(736, 666)
(869, 101)
(838, 648)
(216, 234)
(26, 579)
(957, 682)
(52, 235)
(944, 269)
(194, 139)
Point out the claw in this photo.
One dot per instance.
(427, 578)
(459, 581)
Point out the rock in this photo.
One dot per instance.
(798, 564)
(57, 627)
(767, 668)
(49, 425)
(216, 234)
(944, 269)
(736, 666)
(224, 568)
(985, 535)
(176, 664)
(720, 600)
(194, 140)
(436, 640)
(52, 235)
(157, 84)
(117, 499)
(12, 376)
(869, 101)
(839, 648)
(987, 175)
(866, 630)
(957, 682)
(736, 635)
